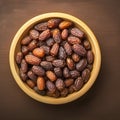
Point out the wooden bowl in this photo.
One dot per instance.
(15, 47)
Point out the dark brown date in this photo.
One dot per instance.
(32, 76)
(24, 50)
(50, 86)
(77, 32)
(38, 70)
(78, 84)
(62, 53)
(24, 66)
(58, 63)
(50, 42)
(66, 72)
(50, 58)
(64, 92)
(70, 63)
(30, 83)
(74, 74)
(68, 48)
(44, 35)
(58, 71)
(34, 34)
(79, 49)
(74, 40)
(26, 40)
(19, 57)
(41, 26)
(32, 45)
(90, 57)
(46, 49)
(81, 65)
(86, 75)
(87, 45)
(59, 84)
(46, 65)
(75, 57)
(23, 75)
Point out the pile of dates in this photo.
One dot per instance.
(55, 58)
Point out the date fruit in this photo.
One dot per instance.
(54, 49)
(33, 60)
(39, 52)
(19, 57)
(51, 75)
(79, 49)
(38, 70)
(40, 83)
(81, 65)
(59, 84)
(44, 35)
(65, 24)
(77, 32)
(46, 65)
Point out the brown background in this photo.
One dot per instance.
(102, 102)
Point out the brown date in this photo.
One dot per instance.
(24, 66)
(19, 57)
(51, 75)
(79, 49)
(40, 83)
(33, 60)
(44, 35)
(74, 40)
(86, 75)
(90, 57)
(54, 22)
(41, 26)
(46, 65)
(66, 72)
(68, 48)
(26, 40)
(54, 49)
(70, 63)
(65, 24)
(64, 34)
(77, 32)
(59, 84)
(69, 82)
(38, 70)
(58, 63)
(50, 86)
(34, 34)
(57, 35)
(62, 53)
(58, 71)
(81, 65)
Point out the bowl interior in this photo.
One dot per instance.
(15, 47)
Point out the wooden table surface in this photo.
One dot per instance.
(102, 102)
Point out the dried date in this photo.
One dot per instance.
(79, 49)
(38, 70)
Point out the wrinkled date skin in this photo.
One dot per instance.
(46, 65)
(33, 60)
(79, 49)
(55, 58)
(38, 70)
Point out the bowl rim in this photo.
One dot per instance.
(46, 99)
